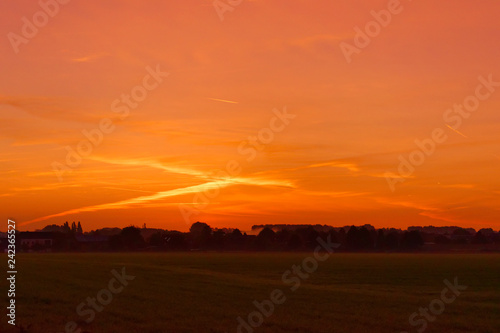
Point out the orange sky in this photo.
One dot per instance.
(327, 165)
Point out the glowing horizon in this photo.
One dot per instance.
(260, 110)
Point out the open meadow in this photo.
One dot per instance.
(207, 292)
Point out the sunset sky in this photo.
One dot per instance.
(227, 80)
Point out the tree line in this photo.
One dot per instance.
(202, 237)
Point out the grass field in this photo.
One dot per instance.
(206, 292)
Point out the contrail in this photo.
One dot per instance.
(223, 100)
(456, 131)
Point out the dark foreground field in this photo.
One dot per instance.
(206, 292)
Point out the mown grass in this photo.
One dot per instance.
(206, 292)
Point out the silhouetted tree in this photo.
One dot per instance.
(175, 240)
(54, 228)
(235, 240)
(115, 242)
(496, 237)
(358, 239)
(365, 239)
(218, 239)
(201, 234)
(282, 236)
(461, 236)
(351, 240)
(79, 229)
(131, 238)
(480, 238)
(157, 239)
(294, 243)
(391, 241)
(309, 237)
(265, 238)
(334, 236)
(380, 242)
(412, 240)
(341, 236)
(441, 239)
(461, 232)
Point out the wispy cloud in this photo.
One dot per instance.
(259, 181)
(214, 182)
(158, 196)
(463, 186)
(433, 212)
(134, 201)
